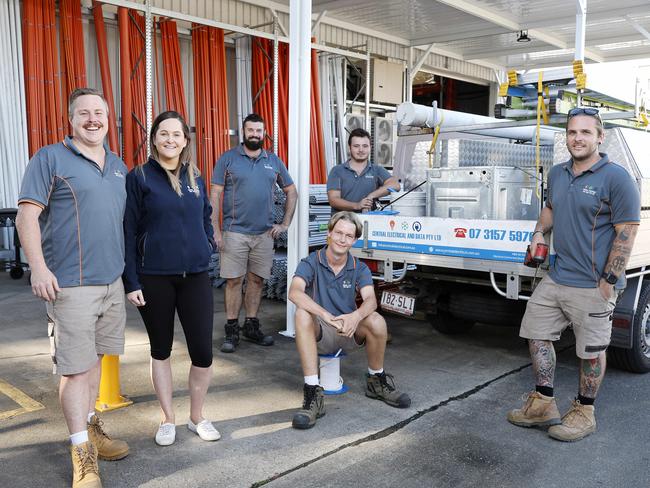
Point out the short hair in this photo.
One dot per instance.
(252, 118)
(357, 133)
(80, 92)
(348, 217)
(599, 122)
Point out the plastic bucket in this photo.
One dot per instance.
(413, 204)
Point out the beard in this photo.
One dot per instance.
(253, 144)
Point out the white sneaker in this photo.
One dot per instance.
(205, 430)
(166, 434)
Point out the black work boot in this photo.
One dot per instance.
(381, 386)
(253, 333)
(313, 407)
(231, 341)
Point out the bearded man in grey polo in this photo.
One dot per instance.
(593, 207)
(70, 213)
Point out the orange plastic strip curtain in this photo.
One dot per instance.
(45, 118)
(138, 86)
(172, 70)
(105, 69)
(125, 87)
(318, 173)
(210, 97)
(73, 62)
(262, 92)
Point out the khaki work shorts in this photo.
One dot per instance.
(244, 252)
(553, 307)
(83, 322)
(331, 341)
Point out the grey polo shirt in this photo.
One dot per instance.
(83, 209)
(335, 293)
(248, 189)
(355, 187)
(585, 209)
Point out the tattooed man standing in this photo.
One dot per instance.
(593, 208)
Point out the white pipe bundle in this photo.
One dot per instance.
(415, 115)
(14, 153)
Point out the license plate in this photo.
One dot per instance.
(396, 302)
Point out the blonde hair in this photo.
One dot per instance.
(185, 158)
(348, 217)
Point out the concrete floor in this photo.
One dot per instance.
(454, 434)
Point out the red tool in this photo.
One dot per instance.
(540, 256)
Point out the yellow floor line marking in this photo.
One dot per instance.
(26, 403)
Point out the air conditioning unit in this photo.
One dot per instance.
(354, 122)
(382, 141)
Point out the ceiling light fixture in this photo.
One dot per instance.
(523, 36)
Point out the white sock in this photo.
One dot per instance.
(375, 371)
(91, 415)
(79, 437)
(311, 380)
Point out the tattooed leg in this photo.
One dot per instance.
(543, 355)
(592, 372)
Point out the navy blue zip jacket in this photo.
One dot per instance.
(164, 233)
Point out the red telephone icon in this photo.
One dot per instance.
(460, 232)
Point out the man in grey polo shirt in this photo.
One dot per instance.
(70, 212)
(593, 207)
(324, 290)
(246, 177)
(357, 183)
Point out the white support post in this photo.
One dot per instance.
(299, 125)
(581, 23)
(367, 100)
(276, 130)
(148, 27)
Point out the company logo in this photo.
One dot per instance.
(391, 224)
(460, 232)
(193, 189)
(118, 173)
(267, 166)
(369, 176)
(589, 190)
(405, 226)
(417, 226)
(347, 284)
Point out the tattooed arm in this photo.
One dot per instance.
(619, 254)
(543, 226)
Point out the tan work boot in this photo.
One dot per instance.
(85, 470)
(539, 410)
(313, 407)
(577, 423)
(107, 449)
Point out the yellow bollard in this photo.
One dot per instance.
(109, 386)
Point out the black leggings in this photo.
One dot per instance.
(191, 297)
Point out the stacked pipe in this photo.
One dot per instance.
(276, 286)
(45, 117)
(136, 31)
(73, 62)
(172, 69)
(211, 97)
(105, 69)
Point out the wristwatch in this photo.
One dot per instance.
(610, 278)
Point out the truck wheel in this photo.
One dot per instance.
(447, 324)
(16, 272)
(637, 359)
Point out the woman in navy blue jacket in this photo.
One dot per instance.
(168, 244)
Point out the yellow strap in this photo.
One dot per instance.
(432, 148)
(541, 112)
(512, 77)
(503, 89)
(579, 74)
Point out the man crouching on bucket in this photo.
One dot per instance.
(324, 289)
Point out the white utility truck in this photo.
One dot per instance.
(455, 250)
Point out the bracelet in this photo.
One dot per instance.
(537, 231)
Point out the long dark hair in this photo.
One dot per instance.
(185, 156)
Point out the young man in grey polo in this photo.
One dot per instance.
(246, 177)
(324, 290)
(70, 212)
(593, 207)
(357, 183)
